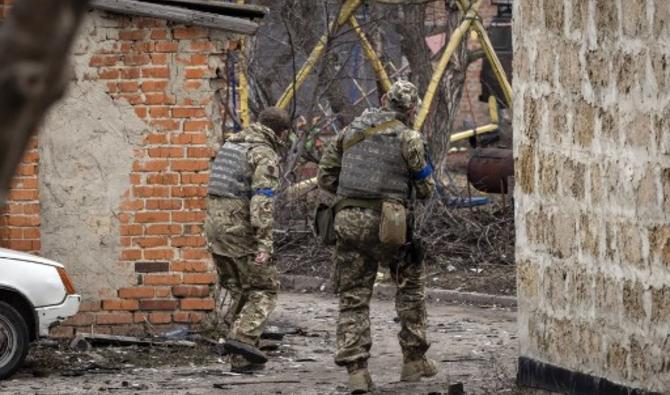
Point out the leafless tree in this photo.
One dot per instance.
(34, 42)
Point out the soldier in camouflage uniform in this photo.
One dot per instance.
(243, 179)
(385, 166)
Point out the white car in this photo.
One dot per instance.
(35, 295)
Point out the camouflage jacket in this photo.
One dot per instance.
(413, 152)
(237, 227)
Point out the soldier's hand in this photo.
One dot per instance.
(262, 257)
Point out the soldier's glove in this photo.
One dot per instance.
(262, 258)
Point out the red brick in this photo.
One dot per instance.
(163, 178)
(103, 60)
(191, 204)
(158, 254)
(190, 291)
(188, 33)
(189, 266)
(155, 86)
(166, 46)
(166, 152)
(114, 318)
(131, 230)
(90, 306)
(200, 278)
(158, 304)
(159, 34)
(194, 253)
(131, 254)
(120, 304)
(156, 138)
(197, 304)
(148, 242)
(164, 229)
(132, 205)
(81, 319)
(194, 178)
(151, 191)
(188, 191)
(200, 152)
(188, 112)
(151, 165)
(160, 318)
(132, 99)
(136, 292)
(189, 138)
(189, 165)
(26, 170)
(196, 126)
(202, 46)
(156, 72)
(162, 279)
(132, 34)
(130, 73)
(108, 74)
(196, 72)
(159, 98)
(136, 60)
(140, 111)
(188, 241)
(165, 124)
(159, 58)
(152, 216)
(163, 292)
(164, 204)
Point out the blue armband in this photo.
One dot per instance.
(265, 192)
(423, 173)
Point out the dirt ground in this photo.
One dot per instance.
(473, 346)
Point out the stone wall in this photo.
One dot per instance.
(121, 167)
(592, 148)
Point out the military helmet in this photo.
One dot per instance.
(403, 96)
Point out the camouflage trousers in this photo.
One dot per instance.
(358, 254)
(252, 290)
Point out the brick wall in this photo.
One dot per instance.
(592, 144)
(20, 216)
(157, 82)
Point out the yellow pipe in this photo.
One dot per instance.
(455, 39)
(466, 134)
(244, 85)
(493, 109)
(347, 10)
(377, 65)
(491, 55)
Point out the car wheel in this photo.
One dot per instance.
(14, 340)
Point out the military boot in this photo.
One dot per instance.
(239, 364)
(251, 353)
(360, 381)
(414, 370)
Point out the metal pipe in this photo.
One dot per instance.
(490, 169)
(466, 134)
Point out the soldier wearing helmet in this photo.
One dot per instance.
(374, 167)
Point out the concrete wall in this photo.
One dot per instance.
(592, 147)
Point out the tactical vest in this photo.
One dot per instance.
(231, 173)
(375, 169)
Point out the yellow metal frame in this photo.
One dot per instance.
(346, 16)
(470, 22)
(492, 127)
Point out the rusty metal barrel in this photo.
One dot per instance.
(490, 169)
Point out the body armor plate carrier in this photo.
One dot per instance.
(231, 173)
(375, 169)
